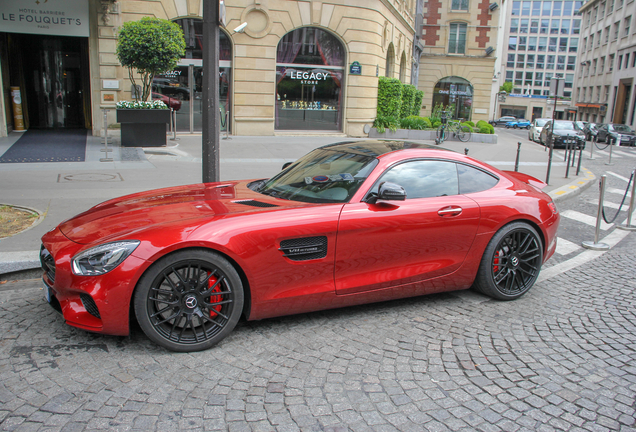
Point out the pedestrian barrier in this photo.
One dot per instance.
(595, 245)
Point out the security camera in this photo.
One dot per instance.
(240, 28)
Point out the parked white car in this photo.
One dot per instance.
(536, 127)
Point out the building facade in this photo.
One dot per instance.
(457, 62)
(285, 65)
(542, 41)
(607, 64)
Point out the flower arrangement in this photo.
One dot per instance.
(155, 104)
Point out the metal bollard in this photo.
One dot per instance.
(466, 151)
(518, 154)
(593, 142)
(568, 152)
(611, 144)
(578, 166)
(630, 212)
(173, 120)
(227, 125)
(106, 149)
(599, 215)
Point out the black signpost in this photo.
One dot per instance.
(554, 89)
(211, 120)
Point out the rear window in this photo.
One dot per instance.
(472, 180)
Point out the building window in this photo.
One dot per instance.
(574, 43)
(512, 43)
(576, 27)
(509, 75)
(530, 61)
(518, 78)
(610, 64)
(563, 44)
(538, 78)
(540, 61)
(547, 8)
(516, 8)
(595, 14)
(610, 7)
(556, 9)
(626, 60)
(620, 62)
(454, 91)
(606, 94)
(534, 26)
(457, 40)
(591, 41)
(626, 25)
(514, 25)
(553, 44)
(602, 66)
(528, 80)
(532, 43)
(594, 66)
(536, 8)
(617, 26)
(554, 29)
(634, 59)
(310, 66)
(546, 81)
(545, 25)
(584, 44)
(565, 26)
(571, 63)
(522, 43)
(543, 42)
(523, 27)
(525, 10)
(550, 63)
(601, 11)
(511, 61)
(389, 66)
(598, 94)
(561, 62)
(520, 60)
(461, 5)
(577, 7)
(567, 8)
(598, 38)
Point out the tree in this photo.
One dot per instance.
(507, 87)
(150, 46)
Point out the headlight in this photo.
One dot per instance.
(103, 258)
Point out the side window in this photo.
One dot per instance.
(424, 178)
(473, 180)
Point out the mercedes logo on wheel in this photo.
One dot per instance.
(515, 261)
(191, 302)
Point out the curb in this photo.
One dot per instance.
(573, 188)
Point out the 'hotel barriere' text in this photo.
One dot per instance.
(41, 17)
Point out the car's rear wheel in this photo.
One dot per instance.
(189, 301)
(511, 263)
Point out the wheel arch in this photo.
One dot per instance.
(247, 294)
(534, 225)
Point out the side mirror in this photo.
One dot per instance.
(387, 192)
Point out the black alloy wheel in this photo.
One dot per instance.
(511, 263)
(189, 301)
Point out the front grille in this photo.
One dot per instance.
(254, 203)
(89, 305)
(48, 263)
(303, 249)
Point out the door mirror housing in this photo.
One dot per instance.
(387, 191)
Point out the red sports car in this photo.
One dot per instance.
(349, 223)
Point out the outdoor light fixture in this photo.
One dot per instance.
(241, 28)
(489, 50)
(493, 6)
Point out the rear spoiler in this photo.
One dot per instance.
(532, 181)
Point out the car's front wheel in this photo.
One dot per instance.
(189, 301)
(511, 263)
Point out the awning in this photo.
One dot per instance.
(584, 105)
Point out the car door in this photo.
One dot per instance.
(393, 243)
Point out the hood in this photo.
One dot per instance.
(196, 203)
(564, 132)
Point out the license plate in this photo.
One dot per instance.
(47, 293)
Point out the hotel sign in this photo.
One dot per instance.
(45, 17)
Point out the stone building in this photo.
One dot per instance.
(285, 65)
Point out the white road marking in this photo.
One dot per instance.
(583, 218)
(620, 192)
(609, 204)
(611, 240)
(565, 247)
(625, 179)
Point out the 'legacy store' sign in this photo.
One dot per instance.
(54, 17)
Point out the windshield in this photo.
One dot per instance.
(565, 125)
(541, 122)
(322, 176)
(621, 128)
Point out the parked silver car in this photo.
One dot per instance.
(536, 127)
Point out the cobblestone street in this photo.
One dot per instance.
(563, 357)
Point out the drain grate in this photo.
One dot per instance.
(89, 177)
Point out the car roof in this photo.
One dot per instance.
(377, 148)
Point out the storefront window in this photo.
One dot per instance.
(309, 78)
(456, 95)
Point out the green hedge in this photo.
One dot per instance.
(408, 98)
(417, 102)
(389, 97)
(415, 122)
(485, 128)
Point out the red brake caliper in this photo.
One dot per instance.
(495, 268)
(214, 298)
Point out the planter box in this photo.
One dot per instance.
(427, 135)
(143, 127)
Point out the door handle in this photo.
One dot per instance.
(450, 211)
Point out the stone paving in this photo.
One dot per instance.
(563, 357)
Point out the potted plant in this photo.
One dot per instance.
(147, 47)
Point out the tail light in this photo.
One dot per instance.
(553, 207)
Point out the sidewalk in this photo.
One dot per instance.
(59, 191)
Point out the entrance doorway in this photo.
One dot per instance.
(53, 75)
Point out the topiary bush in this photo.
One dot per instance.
(381, 123)
(389, 97)
(470, 123)
(408, 95)
(417, 102)
(485, 128)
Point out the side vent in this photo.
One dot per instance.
(254, 203)
(303, 249)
